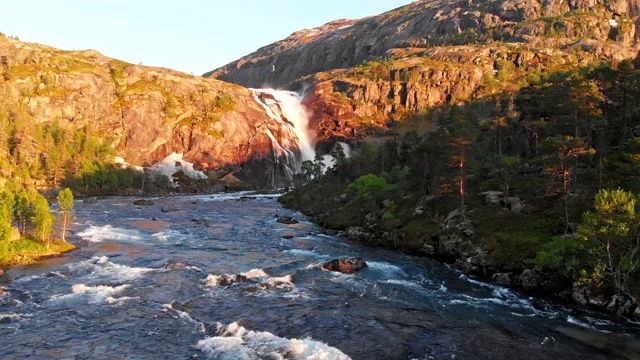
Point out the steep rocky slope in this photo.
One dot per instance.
(361, 74)
(347, 43)
(145, 113)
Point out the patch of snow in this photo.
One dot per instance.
(174, 163)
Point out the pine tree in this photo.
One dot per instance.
(612, 238)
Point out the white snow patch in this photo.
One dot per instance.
(174, 163)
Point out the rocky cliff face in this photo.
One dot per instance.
(145, 113)
(365, 73)
(347, 43)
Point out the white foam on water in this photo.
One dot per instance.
(459, 302)
(574, 321)
(215, 280)
(93, 294)
(168, 308)
(120, 272)
(13, 317)
(254, 273)
(385, 268)
(480, 283)
(102, 269)
(169, 237)
(182, 266)
(405, 283)
(224, 196)
(599, 322)
(278, 282)
(313, 266)
(236, 342)
(109, 232)
(117, 301)
(307, 253)
(28, 278)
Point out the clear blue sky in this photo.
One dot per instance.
(193, 36)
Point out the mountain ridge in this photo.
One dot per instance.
(347, 43)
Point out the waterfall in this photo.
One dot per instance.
(295, 144)
(329, 161)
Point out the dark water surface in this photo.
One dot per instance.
(146, 284)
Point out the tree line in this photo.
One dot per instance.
(567, 146)
(50, 155)
(27, 223)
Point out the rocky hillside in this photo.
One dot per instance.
(424, 24)
(144, 113)
(367, 72)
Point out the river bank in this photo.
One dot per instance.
(466, 242)
(144, 283)
(28, 251)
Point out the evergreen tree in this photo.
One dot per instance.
(612, 240)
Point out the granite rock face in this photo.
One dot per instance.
(144, 113)
(360, 75)
(346, 43)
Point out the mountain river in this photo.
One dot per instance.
(148, 284)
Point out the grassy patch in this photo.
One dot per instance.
(21, 71)
(142, 87)
(117, 68)
(27, 250)
(215, 134)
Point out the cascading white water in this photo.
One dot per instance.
(329, 161)
(285, 107)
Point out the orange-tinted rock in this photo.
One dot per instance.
(345, 265)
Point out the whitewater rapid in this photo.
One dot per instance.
(220, 279)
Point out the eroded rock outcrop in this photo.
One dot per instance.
(360, 75)
(346, 43)
(144, 113)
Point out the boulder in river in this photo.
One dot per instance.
(287, 220)
(168, 209)
(144, 202)
(90, 200)
(224, 279)
(345, 265)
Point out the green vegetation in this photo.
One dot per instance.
(49, 155)
(550, 148)
(611, 238)
(27, 224)
(65, 208)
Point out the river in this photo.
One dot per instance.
(148, 284)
